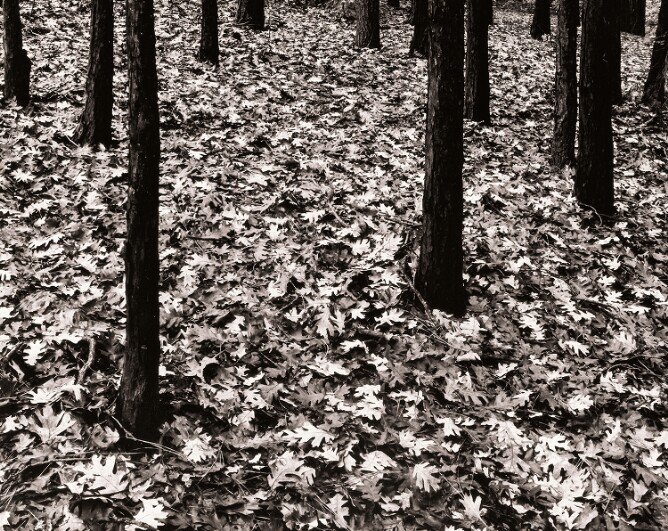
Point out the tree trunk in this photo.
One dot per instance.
(439, 272)
(476, 102)
(17, 62)
(632, 16)
(420, 39)
(250, 13)
(368, 24)
(137, 405)
(615, 53)
(489, 4)
(654, 92)
(566, 84)
(208, 44)
(540, 24)
(594, 184)
(95, 122)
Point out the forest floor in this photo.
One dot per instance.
(301, 386)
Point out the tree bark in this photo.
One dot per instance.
(615, 53)
(208, 44)
(540, 25)
(654, 92)
(250, 13)
(17, 62)
(137, 405)
(476, 101)
(566, 84)
(420, 39)
(439, 272)
(95, 122)
(368, 24)
(594, 185)
(632, 17)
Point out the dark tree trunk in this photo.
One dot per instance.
(594, 185)
(540, 25)
(17, 63)
(411, 17)
(489, 4)
(250, 13)
(137, 405)
(439, 272)
(654, 92)
(476, 101)
(632, 17)
(368, 24)
(95, 122)
(208, 44)
(393, 3)
(420, 39)
(615, 53)
(566, 84)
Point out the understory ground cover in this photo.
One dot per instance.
(303, 386)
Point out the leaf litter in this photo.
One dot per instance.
(302, 388)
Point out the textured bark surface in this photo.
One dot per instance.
(654, 92)
(95, 122)
(540, 24)
(17, 63)
(439, 272)
(566, 84)
(594, 184)
(420, 39)
(368, 24)
(476, 99)
(615, 52)
(208, 44)
(250, 13)
(137, 404)
(632, 17)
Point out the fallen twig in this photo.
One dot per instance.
(92, 351)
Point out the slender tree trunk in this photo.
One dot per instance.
(420, 39)
(476, 102)
(594, 185)
(137, 405)
(615, 53)
(95, 122)
(439, 272)
(566, 84)
(208, 44)
(632, 16)
(654, 92)
(250, 13)
(17, 63)
(368, 24)
(490, 12)
(540, 24)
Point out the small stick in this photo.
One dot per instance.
(89, 362)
